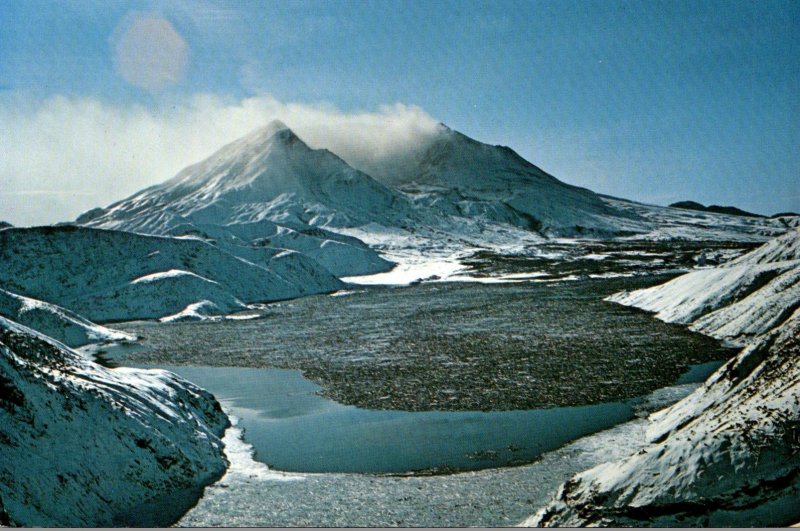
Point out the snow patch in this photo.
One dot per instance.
(197, 311)
(242, 465)
(172, 273)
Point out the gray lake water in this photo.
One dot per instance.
(294, 429)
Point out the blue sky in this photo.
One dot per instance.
(654, 101)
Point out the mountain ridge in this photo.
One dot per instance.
(110, 275)
(447, 188)
(271, 173)
(732, 210)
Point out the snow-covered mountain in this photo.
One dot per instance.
(448, 188)
(467, 179)
(728, 454)
(266, 190)
(108, 275)
(464, 177)
(448, 197)
(268, 174)
(56, 322)
(86, 446)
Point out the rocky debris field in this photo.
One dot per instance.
(450, 346)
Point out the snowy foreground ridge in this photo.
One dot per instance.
(56, 322)
(729, 454)
(83, 445)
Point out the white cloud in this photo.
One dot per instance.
(62, 156)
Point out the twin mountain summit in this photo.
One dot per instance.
(266, 217)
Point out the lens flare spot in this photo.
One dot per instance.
(150, 53)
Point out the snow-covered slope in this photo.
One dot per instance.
(761, 311)
(729, 454)
(112, 275)
(268, 174)
(56, 322)
(85, 446)
(737, 301)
